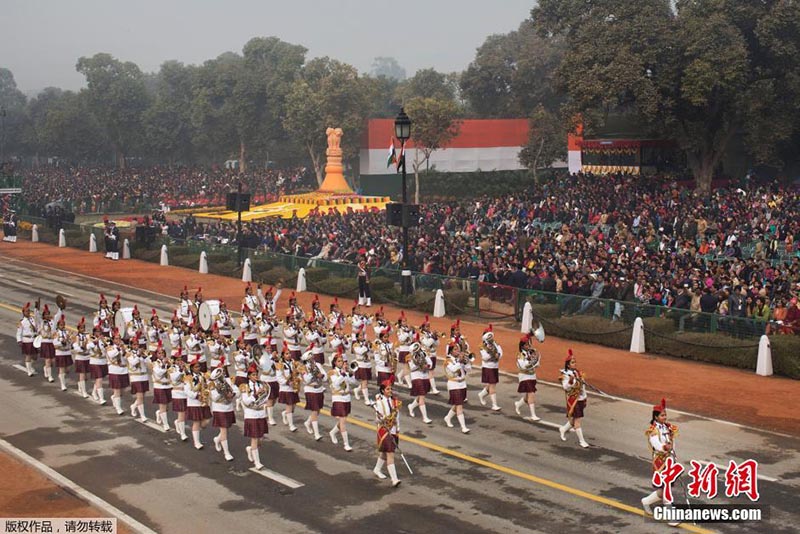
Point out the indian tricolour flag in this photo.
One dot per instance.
(392, 158)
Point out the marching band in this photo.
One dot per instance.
(134, 355)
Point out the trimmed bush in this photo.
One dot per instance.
(280, 274)
(786, 355)
(317, 274)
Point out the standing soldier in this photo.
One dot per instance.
(112, 241)
(572, 380)
(491, 352)
(255, 422)
(26, 332)
(341, 381)
(364, 294)
(387, 414)
(458, 365)
(661, 441)
(81, 349)
(527, 362)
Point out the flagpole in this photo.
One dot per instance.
(406, 274)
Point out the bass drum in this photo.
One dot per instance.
(208, 312)
(121, 320)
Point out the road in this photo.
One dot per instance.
(508, 475)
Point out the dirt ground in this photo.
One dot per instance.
(27, 493)
(731, 394)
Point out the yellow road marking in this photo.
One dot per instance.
(491, 465)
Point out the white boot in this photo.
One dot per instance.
(433, 386)
(100, 396)
(48, 372)
(165, 421)
(333, 433)
(579, 433)
(62, 378)
(408, 381)
(117, 402)
(181, 427)
(463, 424)
(495, 407)
(378, 470)
(648, 501)
(270, 419)
(423, 408)
(142, 416)
(82, 387)
(307, 424)
(257, 459)
(29, 367)
(228, 457)
(196, 439)
(393, 473)
(357, 393)
(217, 444)
(533, 413)
(518, 405)
(369, 302)
(133, 409)
(448, 419)
(482, 396)
(562, 430)
(361, 301)
(249, 451)
(290, 419)
(669, 504)
(411, 408)
(346, 441)
(283, 417)
(367, 400)
(315, 426)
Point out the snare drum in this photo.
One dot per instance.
(208, 313)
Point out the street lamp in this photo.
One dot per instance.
(402, 130)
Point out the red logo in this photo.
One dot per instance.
(704, 480)
(668, 475)
(742, 478)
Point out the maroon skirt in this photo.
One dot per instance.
(315, 401)
(82, 366)
(580, 406)
(295, 354)
(239, 380)
(288, 397)
(274, 388)
(255, 428)
(383, 376)
(319, 358)
(527, 386)
(118, 381)
(198, 413)
(203, 366)
(28, 350)
(162, 396)
(457, 397)
(340, 409)
(490, 376)
(364, 373)
(223, 419)
(47, 350)
(178, 405)
(63, 361)
(386, 442)
(420, 386)
(140, 387)
(98, 371)
(402, 356)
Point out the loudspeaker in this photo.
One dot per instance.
(230, 202)
(394, 214)
(410, 215)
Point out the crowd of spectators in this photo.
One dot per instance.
(628, 238)
(104, 189)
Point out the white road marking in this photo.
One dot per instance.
(152, 425)
(68, 484)
(277, 477)
(24, 282)
(20, 367)
(545, 423)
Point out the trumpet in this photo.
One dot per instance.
(353, 366)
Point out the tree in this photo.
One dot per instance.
(118, 99)
(328, 94)
(427, 83)
(387, 67)
(700, 73)
(12, 102)
(434, 124)
(545, 141)
(71, 131)
(167, 123)
(513, 73)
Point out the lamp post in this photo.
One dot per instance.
(402, 130)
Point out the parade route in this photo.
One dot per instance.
(508, 474)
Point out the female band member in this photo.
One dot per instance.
(527, 362)
(661, 441)
(198, 410)
(223, 395)
(162, 386)
(289, 379)
(314, 378)
(139, 377)
(341, 381)
(255, 420)
(176, 379)
(62, 343)
(26, 332)
(572, 380)
(47, 330)
(118, 378)
(81, 347)
(491, 352)
(420, 364)
(458, 365)
(387, 414)
(269, 376)
(98, 364)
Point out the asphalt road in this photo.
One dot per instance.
(508, 475)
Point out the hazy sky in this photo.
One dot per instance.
(41, 40)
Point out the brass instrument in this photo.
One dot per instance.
(222, 386)
(316, 375)
(263, 397)
(531, 361)
(296, 375)
(491, 350)
(353, 367)
(199, 383)
(420, 359)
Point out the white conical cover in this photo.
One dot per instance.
(35, 233)
(164, 255)
(764, 363)
(438, 306)
(62, 238)
(203, 262)
(637, 336)
(247, 271)
(126, 250)
(301, 280)
(92, 243)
